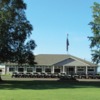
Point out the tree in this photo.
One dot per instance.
(15, 31)
(95, 38)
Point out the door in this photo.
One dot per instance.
(70, 70)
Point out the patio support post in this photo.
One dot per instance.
(75, 69)
(25, 69)
(7, 69)
(0, 75)
(43, 69)
(96, 70)
(86, 72)
(52, 69)
(16, 68)
(34, 69)
(63, 69)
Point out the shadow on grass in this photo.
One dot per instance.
(42, 85)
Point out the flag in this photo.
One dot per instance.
(67, 43)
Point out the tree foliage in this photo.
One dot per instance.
(15, 29)
(95, 38)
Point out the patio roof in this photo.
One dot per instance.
(61, 60)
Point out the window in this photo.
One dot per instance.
(20, 69)
(29, 69)
(47, 70)
(11, 69)
(38, 69)
(91, 70)
(70, 69)
(80, 69)
(57, 70)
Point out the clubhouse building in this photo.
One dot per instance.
(53, 63)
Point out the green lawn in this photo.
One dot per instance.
(49, 90)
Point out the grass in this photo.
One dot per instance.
(49, 90)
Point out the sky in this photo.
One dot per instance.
(52, 20)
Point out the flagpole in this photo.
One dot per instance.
(67, 44)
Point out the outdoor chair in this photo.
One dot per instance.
(97, 76)
(90, 76)
(76, 76)
(14, 74)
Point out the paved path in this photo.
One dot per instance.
(9, 78)
(89, 80)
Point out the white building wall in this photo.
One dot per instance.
(2, 68)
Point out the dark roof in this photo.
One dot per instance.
(65, 59)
